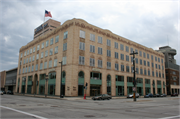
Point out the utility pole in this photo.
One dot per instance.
(134, 80)
(61, 96)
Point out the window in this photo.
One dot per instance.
(152, 64)
(26, 69)
(136, 60)
(64, 60)
(24, 61)
(81, 46)
(34, 49)
(155, 58)
(127, 68)
(116, 55)
(127, 49)
(82, 34)
(161, 60)
(131, 50)
(92, 37)
(116, 45)
(144, 71)
(160, 74)
(108, 53)
(42, 45)
(140, 61)
(99, 50)
(29, 59)
(37, 47)
(162, 67)
(148, 72)
(148, 64)
(46, 53)
(117, 66)
(51, 41)
(137, 70)
(33, 58)
(158, 59)
(108, 65)
(156, 66)
(136, 51)
(140, 53)
(144, 63)
(25, 53)
(147, 55)
(122, 67)
(32, 68)
(65, 34)
(64, 46)
(144, 54)
(152, 73)
(56, 50)
(151, 57)
(55, 62)
(56, 39)
(141, 71)
(159, 67)
(127, 58)
(122, 56)
(122, 47)
(132, 70)
(81, 60)
(156, 74)
(50, 63)
(20, 62)
(19, 71)
(92, 48)
(131, 59)
(37, 56)
(99, 39)
(41, 64)
(42, 54)
(50, 51)
(30, 50)
(45, 65)
(92, 62)
(47, 43)
(36, 67)
(108, 42)
(100, 63)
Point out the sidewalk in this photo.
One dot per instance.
(64, 98)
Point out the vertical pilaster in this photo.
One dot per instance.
(144, 89)
(125, 85)
(113, 85)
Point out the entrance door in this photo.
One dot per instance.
(63, 90)
(80, 90)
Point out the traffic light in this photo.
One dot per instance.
(134, 82)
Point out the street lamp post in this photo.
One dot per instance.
(61, 82)
(47, 77)
(108, 80)
(134, 80)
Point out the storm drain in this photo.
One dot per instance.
(89, 116)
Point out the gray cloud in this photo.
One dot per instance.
(147, 23)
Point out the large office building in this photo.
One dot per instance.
(172, 70)
(89, 55)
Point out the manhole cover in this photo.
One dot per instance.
(89, 116)
(54, 106)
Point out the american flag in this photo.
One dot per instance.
(47, 14)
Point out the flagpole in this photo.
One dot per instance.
(43, 23)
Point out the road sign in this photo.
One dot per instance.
(134, 88)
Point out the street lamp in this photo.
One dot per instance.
(47, 77)
(61, 96)
(153, 87)
(108, 80)
(134, 81)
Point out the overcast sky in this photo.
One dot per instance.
(152, 24)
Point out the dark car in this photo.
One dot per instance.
(174, 94)
(1, 92)
(163, 95)
(131, 95)
(148, 95)
(9, 92)
(102, 97)
(157, 95)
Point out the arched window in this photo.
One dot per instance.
(81, 74)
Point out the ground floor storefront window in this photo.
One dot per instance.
(119, 90)
(51, 89)
(95, 90)
(41, 89)
(148, 90)
(29, 89)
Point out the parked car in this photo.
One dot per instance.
(174, 94)
(148, 95)
(131, 95)
(157, 95)
(102, 97)
(163, 95)
(4, 92)
(1, 92)
(9, 92)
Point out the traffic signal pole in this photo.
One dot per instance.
(134, 80)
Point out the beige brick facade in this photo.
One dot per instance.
(72, 66)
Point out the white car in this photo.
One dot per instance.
(131, 95)
(1, 92)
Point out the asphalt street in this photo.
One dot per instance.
(14, 106)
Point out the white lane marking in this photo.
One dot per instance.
(23, 112)
(170, 117)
